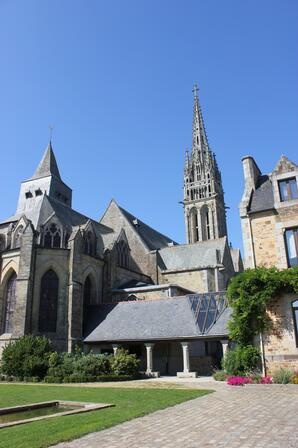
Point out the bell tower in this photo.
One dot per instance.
(204, 206)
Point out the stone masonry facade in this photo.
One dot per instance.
(269, 219)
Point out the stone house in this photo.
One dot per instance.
(269, 219)
(60, 271)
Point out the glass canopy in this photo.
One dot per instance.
(207, 308)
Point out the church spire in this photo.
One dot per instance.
(199, 136)
(204, 205)
(46, 181)
(48, 165)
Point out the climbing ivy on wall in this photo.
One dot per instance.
(248, 296)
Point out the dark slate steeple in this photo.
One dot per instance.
(48, 165)
(46, 181)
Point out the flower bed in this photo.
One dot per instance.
(253, 379)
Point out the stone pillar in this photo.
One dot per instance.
(225, 346)
(149, 348)
(115, 348)
(185, 349)
(186, 365)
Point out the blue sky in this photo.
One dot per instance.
(115, 79)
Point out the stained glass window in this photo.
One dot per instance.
(10, 302)
(122, 254)
(48, 306)
(52, 236)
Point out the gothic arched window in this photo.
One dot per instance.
(52, 236)
(89, 243)
(18, 237)
(87, 301)
(122, 254)
(194, 225)
(10, 302)
(207, 225)
(48, 305)
(2, 243)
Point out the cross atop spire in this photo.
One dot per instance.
(51, 128)
(195, 90)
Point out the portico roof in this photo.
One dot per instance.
(188, 317)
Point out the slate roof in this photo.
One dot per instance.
(262, 197)
(66, 215)
(151, 237)
(237, 259)
(48, 165)
(191, 256)
(162, 319)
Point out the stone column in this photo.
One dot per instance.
(115, 348)
(225, 346)
(185, 348)
(149, 348)
(186, 364)
(149, 353)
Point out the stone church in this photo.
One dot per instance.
(118, 281)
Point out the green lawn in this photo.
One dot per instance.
(130, 403)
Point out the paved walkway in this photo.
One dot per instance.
(254, 416)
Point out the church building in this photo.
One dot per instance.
(119, 281)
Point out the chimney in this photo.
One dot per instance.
(251, 173)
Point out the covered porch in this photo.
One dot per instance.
(182, 358)
(184, 336)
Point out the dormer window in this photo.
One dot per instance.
(28, 194)
(288, 189)
(38, 192)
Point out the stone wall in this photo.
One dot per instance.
(264, 239)
(280, 344)
(158, 292)
(195, 280)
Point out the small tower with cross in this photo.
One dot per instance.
(204, 206)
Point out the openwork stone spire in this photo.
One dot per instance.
(203, 193)
(199, 137)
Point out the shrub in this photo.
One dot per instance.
(78, 378)
(219, 375)
(112, 377)
(92, 365)
(31, 379)
(282, 376)
(26, 357)
(52, 379)
(242, 360)
(124, 364)
(256, 379)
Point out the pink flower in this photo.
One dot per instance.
(266, 380)
(236, 380)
